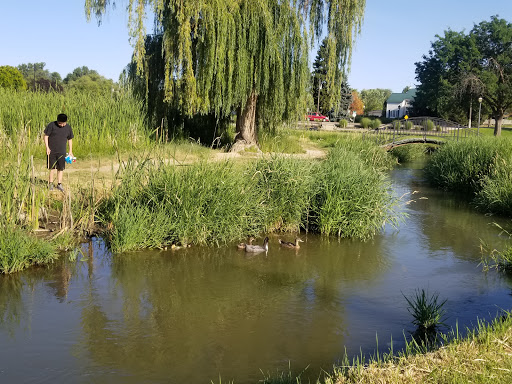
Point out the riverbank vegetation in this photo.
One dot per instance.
(483, 355)
(479, 167)
(155, 204)
(152, 196)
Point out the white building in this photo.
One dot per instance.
(399, 104)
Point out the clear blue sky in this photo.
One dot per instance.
(395, 35)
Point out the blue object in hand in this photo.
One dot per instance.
(69, 159)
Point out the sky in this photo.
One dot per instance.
(394, 36)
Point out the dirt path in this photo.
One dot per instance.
(102, 171)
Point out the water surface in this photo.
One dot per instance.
(198, 314)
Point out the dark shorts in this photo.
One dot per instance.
(56, 160)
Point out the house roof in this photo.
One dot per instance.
(399, 97)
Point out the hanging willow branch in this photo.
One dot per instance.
(218, 53)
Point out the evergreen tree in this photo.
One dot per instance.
(345, 101)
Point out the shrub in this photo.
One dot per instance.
(375, 123)
(343, 123)
(428, 125)
(365, 122)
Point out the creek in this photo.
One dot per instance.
(202, 315)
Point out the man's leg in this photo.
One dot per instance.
(59, 176)
(51, 176)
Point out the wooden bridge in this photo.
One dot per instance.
(430, 130)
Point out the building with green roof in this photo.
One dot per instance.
(399, 104)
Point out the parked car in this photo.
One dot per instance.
(316, 116)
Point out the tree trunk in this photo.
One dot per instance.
(497, 124)
(470, 110)
(246, 133)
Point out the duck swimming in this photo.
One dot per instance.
(249, 242)
(257, 248)
(288, 244)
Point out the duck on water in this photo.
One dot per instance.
(257, 248)
(249, 242)
(288, 244)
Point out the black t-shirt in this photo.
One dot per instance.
(58, 136)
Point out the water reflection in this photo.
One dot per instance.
(222, 311)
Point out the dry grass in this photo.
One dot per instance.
(483, 357)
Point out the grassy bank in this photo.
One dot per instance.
(484, 355)
(479, 167)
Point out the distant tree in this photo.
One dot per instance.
(91, 84)
(84, 79)
(406, 89)
(11, 78)
(40, 79)
(373, 99)
(460, 66)
(357, 104)
(245, 56)
(79, 72)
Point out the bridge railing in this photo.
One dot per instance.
(419, 127)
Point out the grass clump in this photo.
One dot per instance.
(427, 310)
(495, 188)
(365, 122)
(19, 250)
(286, 187)
(498, 259)
(479, 167)
(375, 123)
(461, 166)
(352, 198)
(428, 125)
(159, 204)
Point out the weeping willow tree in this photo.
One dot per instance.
(248, 56)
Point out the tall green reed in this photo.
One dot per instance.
(156, 204)
(102, 124)
(461, 165)
(495, 192)
(287, 187)
(19, 250)
(353, 198)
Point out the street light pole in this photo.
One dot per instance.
(479, 111)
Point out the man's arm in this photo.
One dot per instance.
(46, 143)
(70, 143)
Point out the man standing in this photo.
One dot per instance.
(56, 135)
